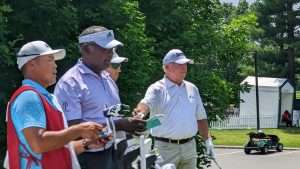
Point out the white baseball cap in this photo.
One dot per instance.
(35, 49)
(104, 39)
(176, 56)
(117, 59)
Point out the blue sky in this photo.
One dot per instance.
(235, 1)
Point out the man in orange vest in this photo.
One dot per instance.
(37, 133)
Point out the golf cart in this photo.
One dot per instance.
(261, 142)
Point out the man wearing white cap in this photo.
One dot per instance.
(114, 69)
(86, 90)
(37, 134)
(183, 114)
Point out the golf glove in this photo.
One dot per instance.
(210, 148)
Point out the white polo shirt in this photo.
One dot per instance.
(181, 107)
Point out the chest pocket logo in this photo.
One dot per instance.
(65, 107)
(192, 98)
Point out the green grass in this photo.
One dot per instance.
(297, 94)
(289, 137)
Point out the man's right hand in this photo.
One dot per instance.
(138, 115)
(140, 111)
(89, 130)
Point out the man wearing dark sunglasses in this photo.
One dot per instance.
(114, 69)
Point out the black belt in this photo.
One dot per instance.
(180, 141)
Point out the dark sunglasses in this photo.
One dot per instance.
(115, 65)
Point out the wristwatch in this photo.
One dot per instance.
(85, 144)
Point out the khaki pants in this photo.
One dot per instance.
(184, 156)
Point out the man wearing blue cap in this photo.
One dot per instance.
(179, 105)
(86, 90)
(37, 134)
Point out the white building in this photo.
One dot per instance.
(275, 96)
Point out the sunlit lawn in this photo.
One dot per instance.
(290, 137)
(297, 94)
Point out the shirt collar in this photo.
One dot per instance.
(83, 69)
(170, 84)
(36, 86)
(105, 74)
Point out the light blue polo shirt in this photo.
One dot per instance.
(84, 94)
(27, 111)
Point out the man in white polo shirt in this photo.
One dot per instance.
(183, 114)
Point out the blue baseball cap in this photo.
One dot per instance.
(104, 39)
(176, 56)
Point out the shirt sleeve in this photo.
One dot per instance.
(68, 96)
(152, 98)
(200, 110)
(28, 111)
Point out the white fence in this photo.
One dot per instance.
(236, 122)
(296, 118)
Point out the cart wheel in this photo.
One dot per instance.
(279, 147)
(264, 150)
(247, 151)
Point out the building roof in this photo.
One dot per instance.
(265, 81)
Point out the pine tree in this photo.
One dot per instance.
(280, 22)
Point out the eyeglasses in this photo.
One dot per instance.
(115, 65)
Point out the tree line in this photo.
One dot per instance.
(218, 36)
